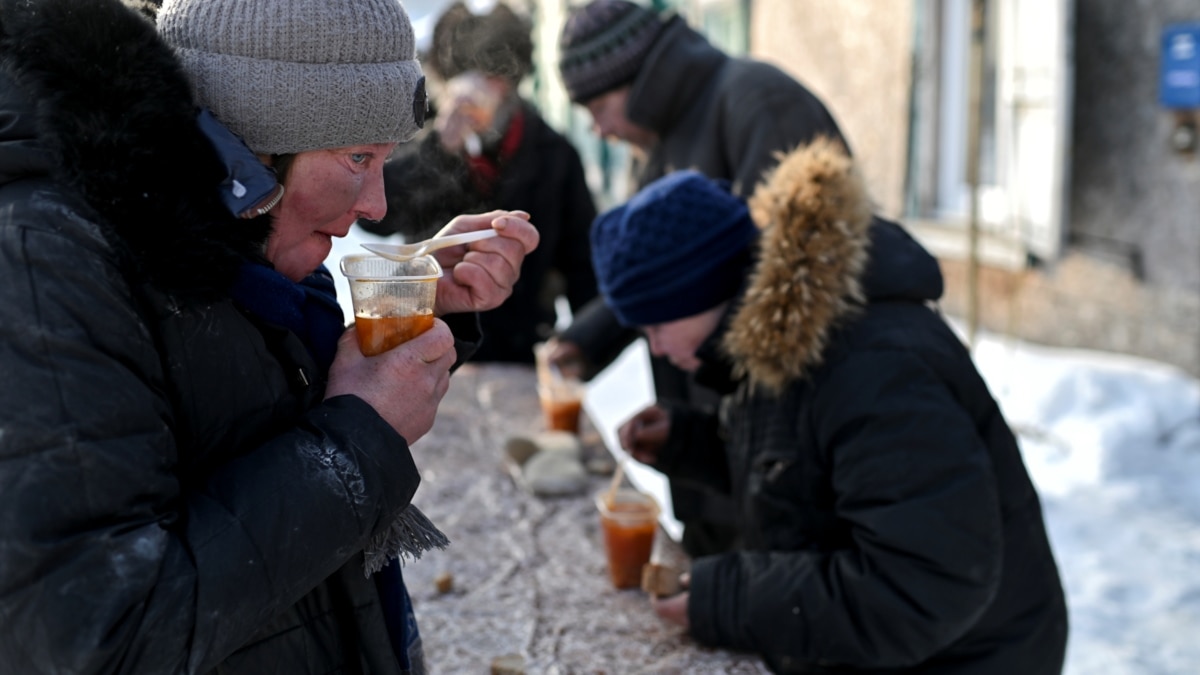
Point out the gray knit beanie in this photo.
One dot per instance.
(295, 75)
(602, 46)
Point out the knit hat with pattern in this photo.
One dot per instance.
(295, 75)
(680, 247)
(602, 46)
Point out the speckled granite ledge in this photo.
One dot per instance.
(528, 573)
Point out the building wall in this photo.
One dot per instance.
(1132, 281)
(1083, 302)
(1129, 280)
(1134, 195)
(856, 56)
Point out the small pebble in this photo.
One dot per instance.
(444, 583)
(509, 664)
(601, 466)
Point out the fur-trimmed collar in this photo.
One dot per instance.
(815, 217)
(821, 258)
(115, 114)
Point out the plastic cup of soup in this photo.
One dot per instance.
(393, 301)
(629, 520)
(562, 404)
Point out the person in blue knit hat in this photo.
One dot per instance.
(889, 522)
(695, 260)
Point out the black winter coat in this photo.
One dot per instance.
(175, 496)
(889, 522)
(427, 186)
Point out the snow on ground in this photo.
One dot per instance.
(1113, 445)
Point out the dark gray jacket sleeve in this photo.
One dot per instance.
(915, 483)
(694, 453)
(598, 334)
(574, 257)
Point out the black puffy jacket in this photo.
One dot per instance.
(889, 522)
(175, 497)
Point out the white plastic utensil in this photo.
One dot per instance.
(403, 252)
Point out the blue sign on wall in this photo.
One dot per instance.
(1179, 85)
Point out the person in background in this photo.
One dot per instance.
(491, 149)
(682, 103)
(199, 471)
(889, 522)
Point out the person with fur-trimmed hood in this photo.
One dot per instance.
(650, 79)
(199, 470)
(890, 524)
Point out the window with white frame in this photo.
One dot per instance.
(1024, 84)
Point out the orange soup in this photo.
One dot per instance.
(562, 415)
(378, 334)
(628, 541)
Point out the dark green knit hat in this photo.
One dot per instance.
(602, 46)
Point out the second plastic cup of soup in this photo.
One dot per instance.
(629, 521)
(562, 404)
(393, 301)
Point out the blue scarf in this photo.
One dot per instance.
(310, 310)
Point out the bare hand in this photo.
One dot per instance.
(567, 357)
(467, 106)
(404, 384)
(645, 434)
(480, 275)
(673, 609)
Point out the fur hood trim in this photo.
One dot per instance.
(815, 216)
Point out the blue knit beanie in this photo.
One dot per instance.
(678, 248)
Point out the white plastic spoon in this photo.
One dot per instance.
(403, 252)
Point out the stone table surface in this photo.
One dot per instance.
(529, 573)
